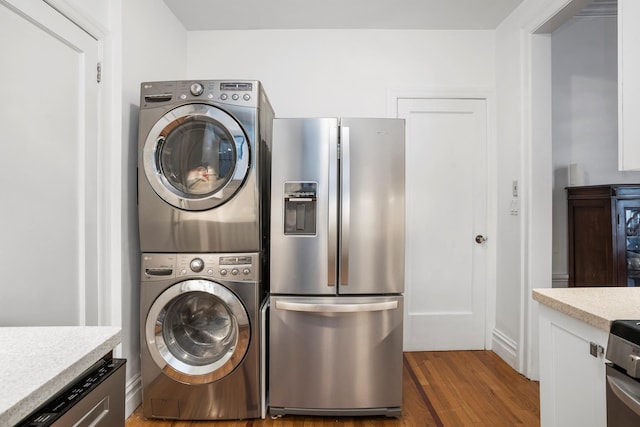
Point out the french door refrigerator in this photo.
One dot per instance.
(337, 266)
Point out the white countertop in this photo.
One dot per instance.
(37, 362)
(595, 306)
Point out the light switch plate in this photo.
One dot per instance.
(514, 208)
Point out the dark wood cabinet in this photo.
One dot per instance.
(604, 235)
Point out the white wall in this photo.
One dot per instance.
(585, 115)
(153, 48)
(309, 73)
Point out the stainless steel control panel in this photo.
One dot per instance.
(243, 93)
(229, 267)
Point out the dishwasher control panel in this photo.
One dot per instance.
(68, 407)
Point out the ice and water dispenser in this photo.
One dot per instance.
(300, 200)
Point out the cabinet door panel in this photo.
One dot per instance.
(572, 380)
(591, 255)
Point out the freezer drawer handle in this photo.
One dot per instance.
(300, 199)
(336, 308)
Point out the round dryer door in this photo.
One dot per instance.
(196, 157)
(197, 331)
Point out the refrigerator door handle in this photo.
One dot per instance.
(345, 207)
(336, 308)
(333, 207)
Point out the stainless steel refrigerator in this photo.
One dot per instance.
(337, 266)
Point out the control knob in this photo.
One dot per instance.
(196, 265)
(196, 89)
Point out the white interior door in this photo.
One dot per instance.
(446, 190)
(48, 168)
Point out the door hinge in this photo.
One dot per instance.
(99, 72)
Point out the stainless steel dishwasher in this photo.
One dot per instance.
(95, 399)
(623, 374)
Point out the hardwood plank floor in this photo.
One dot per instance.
(440, 389)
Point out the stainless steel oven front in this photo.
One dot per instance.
(623, 374)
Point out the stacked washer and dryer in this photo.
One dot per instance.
(203, 203)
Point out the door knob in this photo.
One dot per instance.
(480, 239)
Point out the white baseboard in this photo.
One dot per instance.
(505, 347)
(560, 280)
(133, 395)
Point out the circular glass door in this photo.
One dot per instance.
(196, 157)
(197, 331)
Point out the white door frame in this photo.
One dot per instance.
(536, 220)
(392, 111)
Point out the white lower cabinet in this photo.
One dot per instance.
(572, 371)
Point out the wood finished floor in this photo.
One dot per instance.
(442, 389)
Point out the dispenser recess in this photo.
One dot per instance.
(300, 200)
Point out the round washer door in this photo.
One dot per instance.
(197, 331)
(196, 157)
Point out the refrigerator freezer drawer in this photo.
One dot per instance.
(335, 355)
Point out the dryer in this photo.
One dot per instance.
(200, 336)
(204, 166)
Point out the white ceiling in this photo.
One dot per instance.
(341, 14)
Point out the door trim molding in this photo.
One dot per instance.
(88, 25)
(535, 54)
(393, 94)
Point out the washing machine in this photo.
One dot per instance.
(204, 166)
(200, 336)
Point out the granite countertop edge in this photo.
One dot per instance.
(597, 306)
(573, 311)
(70, 369)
